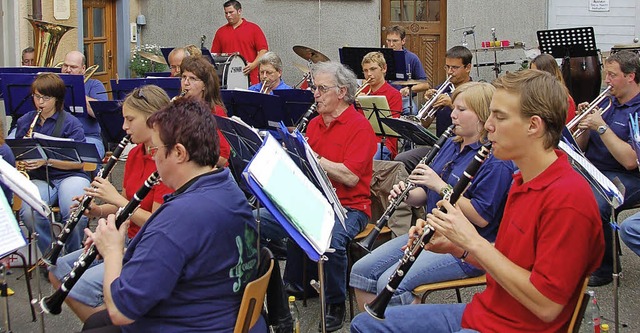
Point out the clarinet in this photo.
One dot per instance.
(53, 304)
(377, 307)
(51, 257)
(368, 242)
(305, 118)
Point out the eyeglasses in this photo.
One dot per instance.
(455, 68)
(154, 150)
(190, 79)
(38, 97)
(323, 89)
(393, 40)
(137, 93)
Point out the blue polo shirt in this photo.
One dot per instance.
(617, 118)
(94, 89)
(415, 67)
(282, 86)
(488, 189)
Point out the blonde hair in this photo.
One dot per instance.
(374, 57)
(477, 96)
(147, 99)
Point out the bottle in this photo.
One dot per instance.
(295, 314)
(594, 312)
(604, 328)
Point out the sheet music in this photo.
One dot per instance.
(37, 135)
(241, 122)
(11, 237)
(22, 187)
(304, 206)
(609, 190)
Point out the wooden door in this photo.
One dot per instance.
(99, 35)
(425, 22)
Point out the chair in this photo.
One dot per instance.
(427, 289)
(254, 294)
(581, 307)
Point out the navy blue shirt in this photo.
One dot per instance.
(7, 155)
(71, 129)
(94, 89)
(488, 189)
(617, 118)
(414, 66)
(186, 269)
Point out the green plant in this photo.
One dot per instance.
(140, 66)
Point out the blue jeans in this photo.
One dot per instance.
(631, 196)
(372, 272)
(60, 191)
(385, 156)
(97, 141)
(405, 106)
(630, 232)
(336, 265)
(414, 318)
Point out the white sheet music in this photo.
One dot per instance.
(610, 191)
(37, 135)
(11, 238)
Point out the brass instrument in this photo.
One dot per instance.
(265, 87)
(364, 85)
(573, 124)
(46, 37)
(88, 73)
(427, 113)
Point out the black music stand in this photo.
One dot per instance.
(75, 99)
(46, 149)
(352, 57)
(411, 131)
(295, 103)
(205, 53)
(151, 75)
(261, 111)
(26, 70)
(109, 116)
(120, 88)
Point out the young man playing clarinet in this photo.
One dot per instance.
(549, 239)
(182, 274)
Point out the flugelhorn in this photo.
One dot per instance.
(377, 307)
(51, 257)
(427, 113)
(366, 83)
(53, 304)
(573, 124)
(368, 242)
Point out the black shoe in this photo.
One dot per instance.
(597, 280)
(334, 318)
(293, 289)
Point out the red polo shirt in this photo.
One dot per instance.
(225, 148)
(247, 39)
(394, 98)
(349, 139)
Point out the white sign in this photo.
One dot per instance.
(61, 9)
(598, 5)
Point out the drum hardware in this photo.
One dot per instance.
(309, 54)
(635, 47)
(307, 74)
(409, 84)
(202, 39)
(229, 68)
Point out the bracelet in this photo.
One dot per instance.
(464, 255)
(446, 191)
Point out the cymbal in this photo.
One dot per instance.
(152, 57)
(409, 82)
(308, 53)
(301, 68)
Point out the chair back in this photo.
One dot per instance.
(581, 307)
(254, 294)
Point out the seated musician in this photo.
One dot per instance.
(549, 239)
(57, 180)
(458, 65)
(85, 298)
(630, 232)
(200, 81)
(29, 56)
(7, 155)
(482, 203)
(546, 62)
(75, 63)
(374, 67)
(606, 145)
(270, 74)
(175, 59)
(182, 274)
(344, 143)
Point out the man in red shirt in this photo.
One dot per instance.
(549, 239)
(374, 67)
(241, 36)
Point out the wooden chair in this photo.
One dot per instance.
(254, 294)
(427, 289)
(581, 307)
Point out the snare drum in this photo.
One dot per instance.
(628, 47)
(229, 68)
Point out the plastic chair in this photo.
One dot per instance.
(254, 294)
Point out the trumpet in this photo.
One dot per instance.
(427, 113)
(573, 124)
(366, 83)
(368, 242)
(265, 87)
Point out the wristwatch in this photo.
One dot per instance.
(602, 129)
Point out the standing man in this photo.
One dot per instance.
(606, 144)
(75, 63)
(458, 65)
(242, 36)
(395, 40)
(549, 239)
(29, 56)
(374, 67)
(270, 74)
(175, 59)
(177, 274)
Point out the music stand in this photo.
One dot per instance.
(26, 70)
(352, 57)
(109, 116)
(411, 131)
(75, 99)
(375, 109)
(46, 149)
(261, 111)
(151, 75)
(121, 88)
(205, 53)
(295, 103)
